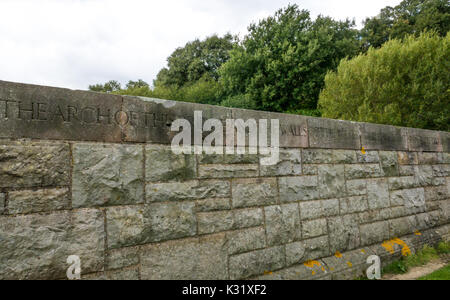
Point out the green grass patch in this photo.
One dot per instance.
(421, 258)
(442, 274)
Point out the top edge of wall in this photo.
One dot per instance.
(41, 112)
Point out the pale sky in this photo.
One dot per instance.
(74, 43)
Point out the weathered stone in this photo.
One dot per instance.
(424, 140)
(413, 198)
(389, 163)
(314, 228)
(402, 226)
(246, 240)
(293, 128)
(310, 170)
(228, 159)
(406, 170)
(397, 183)
(423, 175)
(371, 216)
(213, 204)
(446, 156)
(282, 224)
(331, 181)
(427, 220)
(150, 120)
(256, 262)
(445, 141)
(211, 222)
(202, 258)
(333, 134)
(106, 175)
(294, 189)
(437, 193)
(28, 201)
(367, 157)
(353, 204)
(378, 193)
(363, 171)
(429, 158)
(161, 164)
(244, 218)
(254, 192)
(123, 274)
(121, 258)
(28, 164)
(2, 203)
(171, 220)
(321, 156)
(290, 164)
(126, 226)
(37, 246)
(295, 253)
(316, 248)
(344, 233)
(439, 181)
(407, 158)
(356, 187)
(441, 170)
(374, 233)
(188, 190)
(39, 112)
(319, 209)
(382, 137)
(227, 171)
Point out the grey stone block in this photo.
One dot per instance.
(423, 175)
(246, 240)
(30, 164)
(333, 134)
(316, 248)
(244, 218)
(161, 164)
(106, 175)
(202, 258)
(353, 204)
(213, 204)
(357, 187)
(227, 171)
(344, 233)
(382, 137)
(295, 252)
(424, 140)
(37, 246)
(368, 157)
(378, 193)
(319, 209)
(121, 258)
(397, 183)
(282, 224)
(211, 222)
(254, 192)
(2, 203)
(331, 181)
(322, 156)
(39, 112)
(290, 164)
(429, 158)
(407, 158)
(315, 228)
(402, 226)
(126, 226)
(374, 233)
(437, 193)
(293, 189)
(256, 262)
(389, 163)
(189, 190)
(29, 201)
(363, 171)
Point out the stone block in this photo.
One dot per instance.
(29, 201)
(107, 175)
(293, 189)
(344, 233)
(374, 233)
(356, 187)
(2, 203)
(121, 258)
(367, 157)
(30, 164)
(295, 253)
(211, 222)
(322, 156)
(316, 248)
(227, 171)
(333, 134)
(126, 226)
(246, 240)
(202, 258)
(389, 163)
(290, 164)
(421, 140)
(358, 171)
(331, 181)
(382, 137)
(188, 190)
(254, 192)
(244, 218)
(161, 164)
(378, 193)
(397, 183)
(256, 262)
(353, 204)
(213, 204)
(407, 158)
(282, 224)
(315, 228)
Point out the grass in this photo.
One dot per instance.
(442, 274)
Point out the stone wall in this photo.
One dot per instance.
(93, 175)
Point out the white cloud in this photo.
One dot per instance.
(74, 43)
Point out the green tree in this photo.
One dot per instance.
(281, 64)
(109, 87)
(409, 17)
(196, 60)
(402, 83)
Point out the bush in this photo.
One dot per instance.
(402, 83)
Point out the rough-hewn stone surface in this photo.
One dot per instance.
(98, 179)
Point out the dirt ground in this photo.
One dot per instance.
(417, 272)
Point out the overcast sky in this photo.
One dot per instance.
(74, 43)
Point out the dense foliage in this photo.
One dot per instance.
(402, 83)
(282, 63)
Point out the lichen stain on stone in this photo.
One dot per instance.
(338, 254)
(389, 246)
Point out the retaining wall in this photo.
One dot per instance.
(93, 175)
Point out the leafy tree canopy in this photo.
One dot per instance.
(402, 83)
